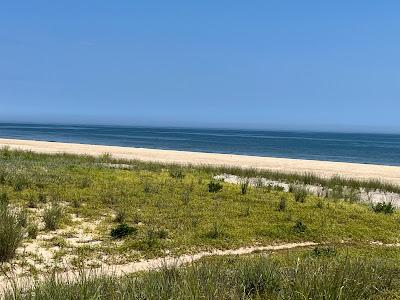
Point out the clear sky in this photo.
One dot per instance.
(325, 65)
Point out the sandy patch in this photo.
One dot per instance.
(362, 195)
(25, 282)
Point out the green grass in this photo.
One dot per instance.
(178, 171)
(10, 232)
(359, 273)
(178, 200)
(156, 210)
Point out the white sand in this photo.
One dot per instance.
(26, 282)
(366, 196)
(321, 168)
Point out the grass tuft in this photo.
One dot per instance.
(10, 232)
(253, 277)
(214, 187)
(52, 217)
(123, 230)
(384, 207)
(300, 227)
(282, 204)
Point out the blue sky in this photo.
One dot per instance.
(264, 64)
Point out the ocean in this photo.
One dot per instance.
(366, 148)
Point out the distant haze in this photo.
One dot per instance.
(302, 65)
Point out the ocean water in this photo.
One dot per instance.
(345, 147)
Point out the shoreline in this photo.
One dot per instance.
(326, 169)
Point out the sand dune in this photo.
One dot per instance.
(321, 168)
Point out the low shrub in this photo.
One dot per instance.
(321, 251)
(42, 197)
(20, 182)
(177, 173)
(162, 233)
(337, 192)
(214, 187)
(300, 194)
(154, 235)
(52, 217)
(4, 199)
(105, 157)
(122, 230)
(33, 231)
(384, 207)
(32, 201)
(216, 232)
(2, 176)
(244, 187)
(282, 204)
(300, 227)
(10, 232)
(23, 218)
(76, 202)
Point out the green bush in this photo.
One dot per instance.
(105, 157)
(2, 176)
(33, 231)
(122, 230)
(300, 194)
(76, 202)
(20, 182)
(244, 187)
(32, 201)
(161, 233)
(152, 238)
(10, 233)
(282, 204)
(383, 207)
(4, 199)
(214, 187)
(23, 218)
(177, 173)
(321, 251)
(300, 227)
(42, 197)
(52, 217)
(216, 232)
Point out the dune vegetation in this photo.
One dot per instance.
(65, 212)
(319, 273)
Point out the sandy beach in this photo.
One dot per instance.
(389, 174)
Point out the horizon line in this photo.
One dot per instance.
(198, 127)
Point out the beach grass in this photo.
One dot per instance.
(318, 273)
(91, 211)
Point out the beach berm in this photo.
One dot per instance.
(389, 174)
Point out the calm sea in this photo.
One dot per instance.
(346, 147)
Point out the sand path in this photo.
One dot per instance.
(389, 174)
(144, 265)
